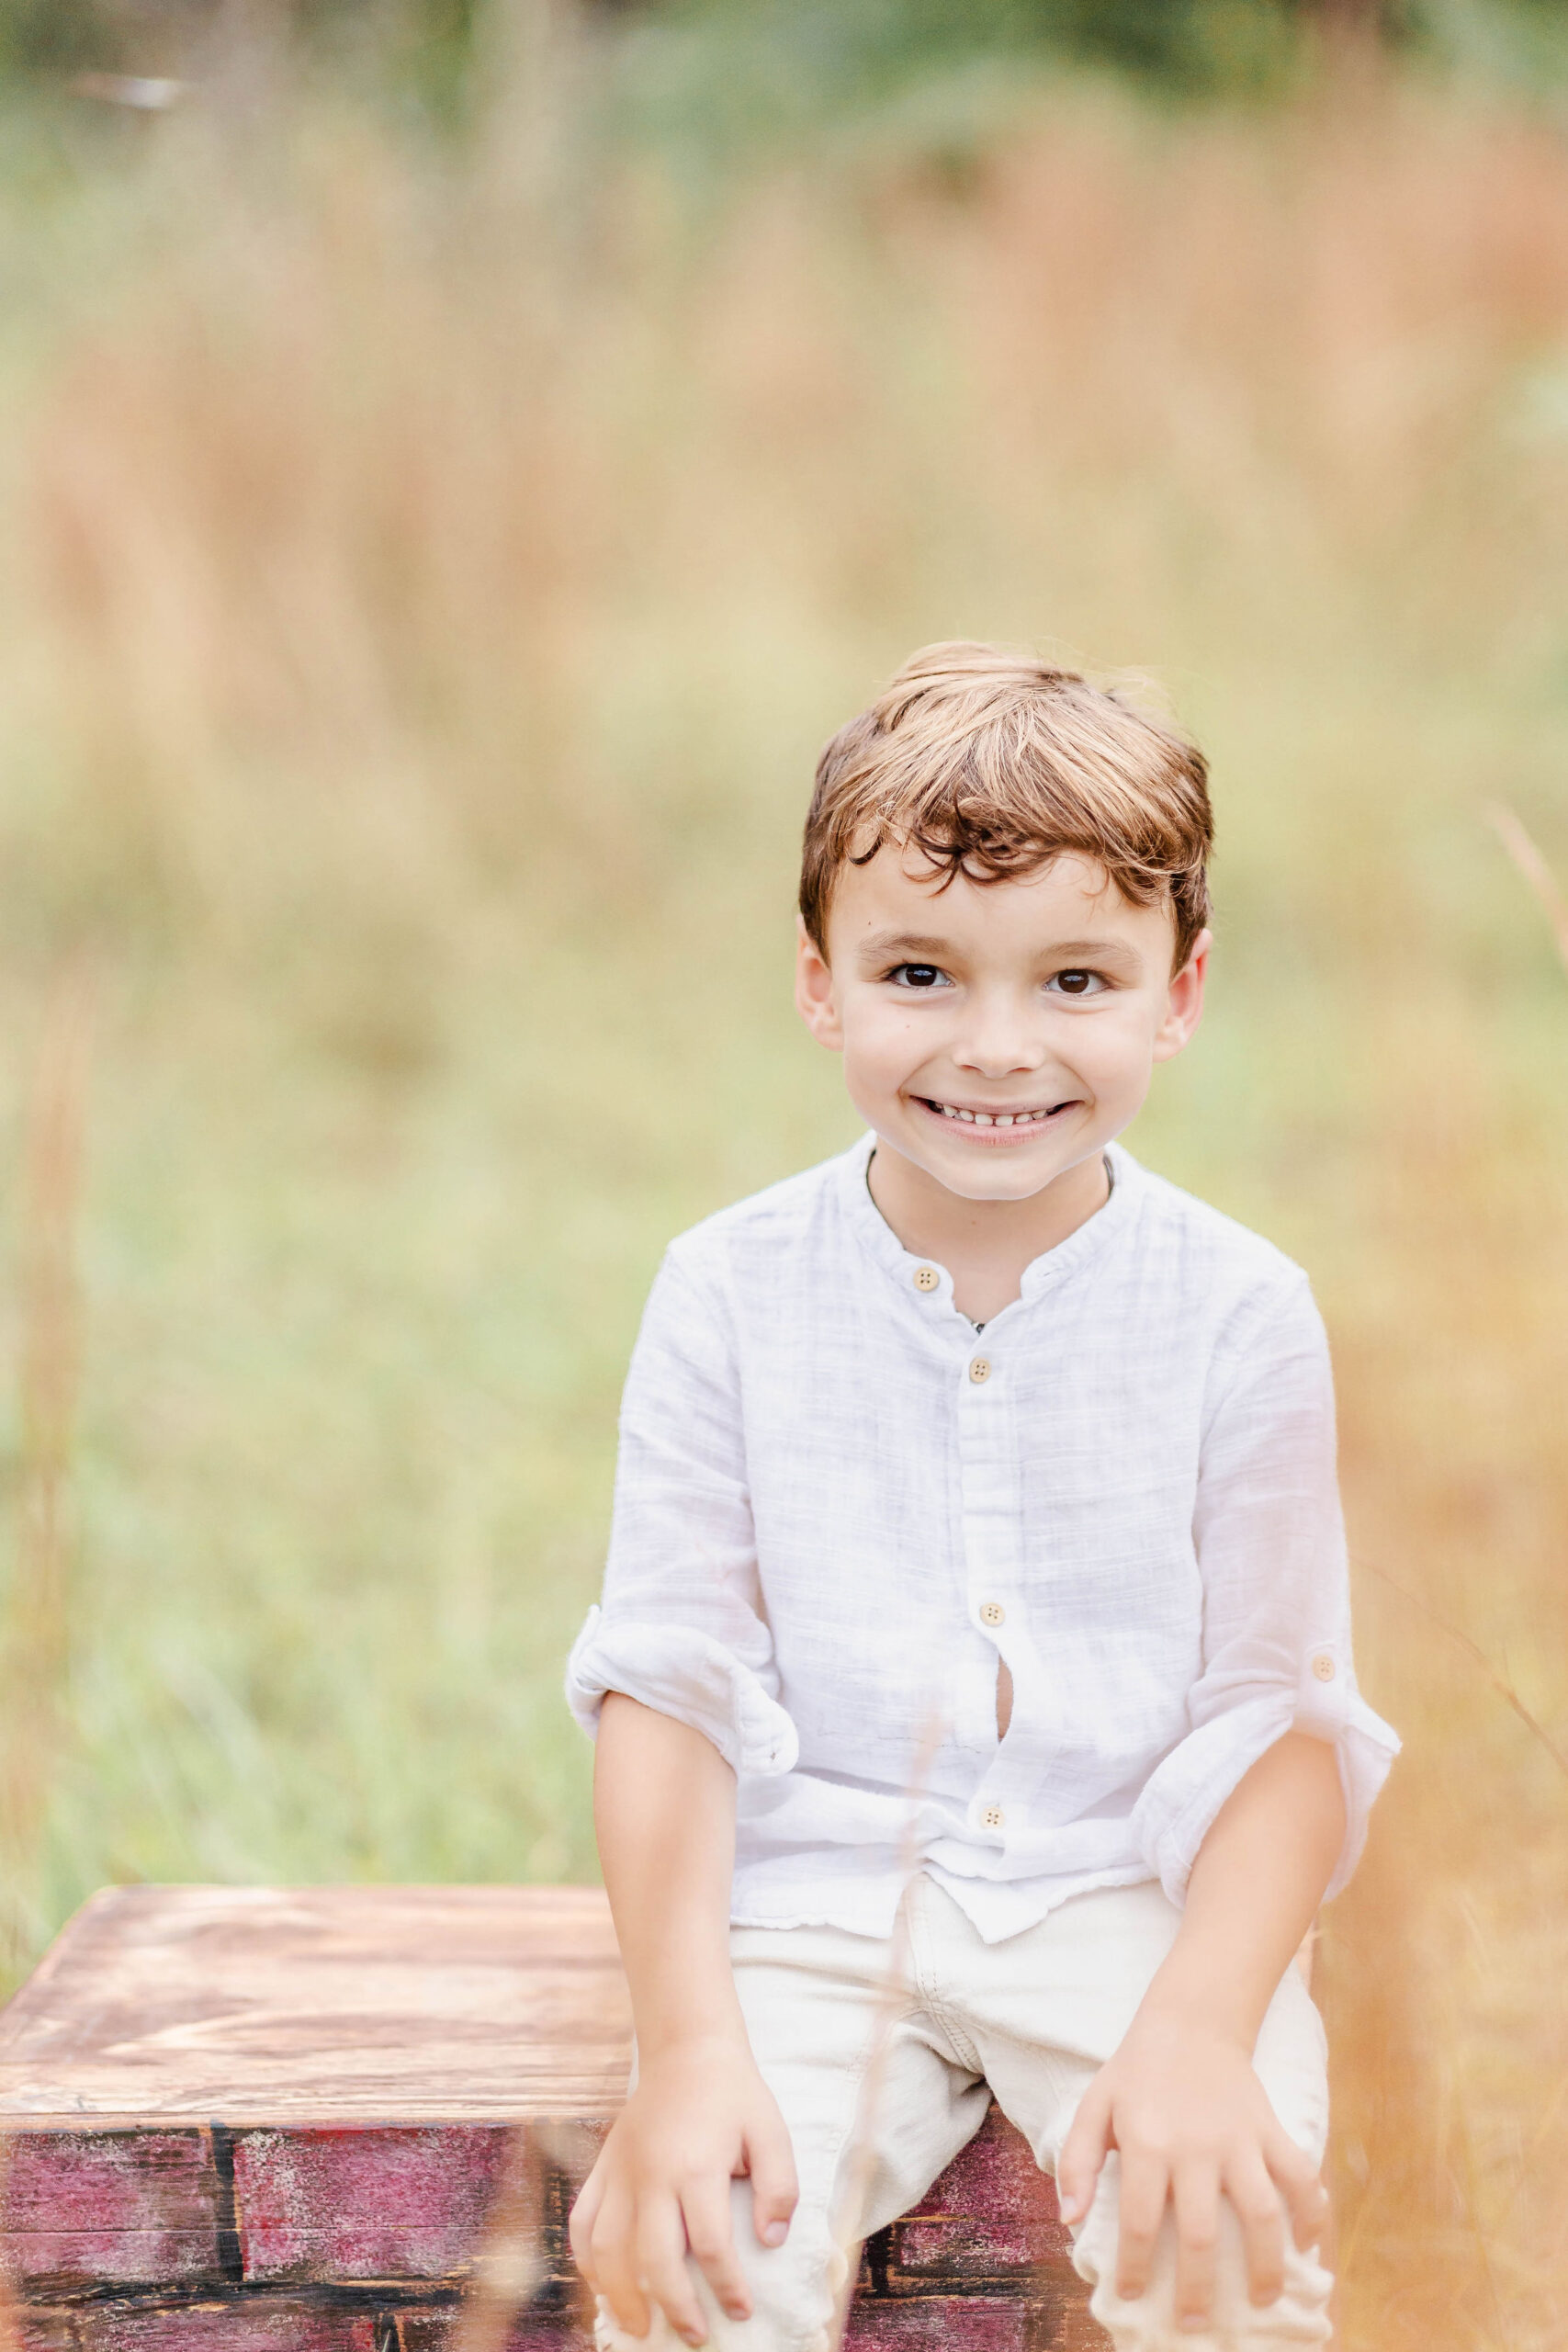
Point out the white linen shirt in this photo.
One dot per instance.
(839, 1506)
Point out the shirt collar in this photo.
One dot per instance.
(1043, 1274)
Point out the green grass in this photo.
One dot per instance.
(355, 1349)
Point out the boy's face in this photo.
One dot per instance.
(996, 1034)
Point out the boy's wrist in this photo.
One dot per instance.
(1178, 2015)
(1184, 2000)
(688, 2037)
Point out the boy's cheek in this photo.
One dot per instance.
(876, 1063)
(875, 1099)
(1122, 1054)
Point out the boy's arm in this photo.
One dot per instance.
(1179, 2099)
(664, 1809)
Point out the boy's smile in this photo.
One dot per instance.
(996, 1036)
(993, 1126)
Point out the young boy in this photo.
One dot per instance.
(976, 1618)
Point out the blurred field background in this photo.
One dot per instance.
(455, 469)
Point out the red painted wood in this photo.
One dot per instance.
(211, 2328)
(364, 2203)
(956, 2250)
(427, 2333)
(976, 2323)
(84, 2208)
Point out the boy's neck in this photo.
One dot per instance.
(984, 1245)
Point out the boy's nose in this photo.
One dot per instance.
(1000, 1041)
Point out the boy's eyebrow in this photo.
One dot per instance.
(905, 943)
(1095, 951)
(914, 943)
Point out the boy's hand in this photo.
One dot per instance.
(1193, 2123)
(700, 2115)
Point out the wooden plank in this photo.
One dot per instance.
(85, 2209)
(204, 2327)
(366, 2203)
(171, 2004)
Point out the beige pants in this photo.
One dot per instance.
(880, 2093)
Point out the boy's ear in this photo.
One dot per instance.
(814, 990)
(1184, 1005)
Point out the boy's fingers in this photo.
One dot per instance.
(1196, 2195)
(712, 2239)
(612, 2252)
(1144, 2183)
(1257, 2208)
(662, 2270)
(775, 2192)
(1301, 2185)
(579, 2227)
(1083, 2153)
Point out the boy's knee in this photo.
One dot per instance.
(1148, 2321)
(795, 2293)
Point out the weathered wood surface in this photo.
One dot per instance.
(347, 2003)
(277, 2120)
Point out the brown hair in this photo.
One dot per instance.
(992, 763)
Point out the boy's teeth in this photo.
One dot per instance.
(993, 1118)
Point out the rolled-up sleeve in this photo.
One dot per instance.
(682, 1627)
(1270, 1547)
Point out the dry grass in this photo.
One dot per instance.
(508, 2271)
(38, 1626)
(428, 582)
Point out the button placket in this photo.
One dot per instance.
(988, 1472)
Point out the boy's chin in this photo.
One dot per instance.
(971, 1173)
(1021, 1183)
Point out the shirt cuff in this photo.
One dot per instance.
(1183, 1795)
(678, 1671)
(1329, 1706)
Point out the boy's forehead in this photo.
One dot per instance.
(899, 891)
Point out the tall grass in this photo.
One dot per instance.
(48, 1384)
(428, 577)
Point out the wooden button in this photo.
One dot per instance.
(992, 1613)
(1323, 1666)
(979, 1369)
(926, 1278)
(993, 1817)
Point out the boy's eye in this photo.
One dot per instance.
(1076, 983)
(917, 975)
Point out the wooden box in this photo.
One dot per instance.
(352, 2119)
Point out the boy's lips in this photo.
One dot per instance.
(1012, 1124)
